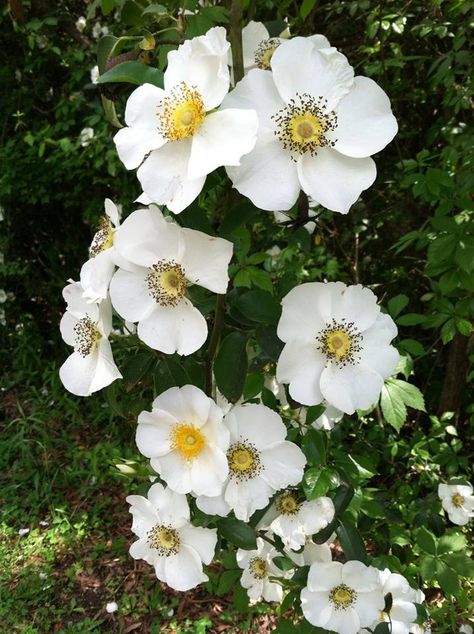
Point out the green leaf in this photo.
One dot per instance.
(342, 499)
(107, 6)
(269, 343)
(428, 568)
(135, 368)
(448, 579)
(104, 48)
(314, 447)
(464, 326)
(253, 385)
(283, 563)
(237, 533)
(426, 541)
(461, 563)
(133, 73)
(452, 543)
(259, 306)
(227, 580)
(306, 7)
(313, 413)
(383, 628)
(156, 9)
(351, 542)
(315, 483)
(396, 395)
(411, 319)
(230, 365)
(396, 304)
(261, 278)
(237, 216)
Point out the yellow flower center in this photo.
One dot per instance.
(287, 503)
(103, 238)
(166, 283)
(303, 124)
(187, 440)
(258, 567)
(342, 597)
(458, 500)
(243, 460)
(340, 342)
(181, 113)
(86, 336)
(164, 539)
(264, 53)
(383, 615)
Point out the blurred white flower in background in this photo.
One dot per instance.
(81, 23)
(458, 502)
(85, 136)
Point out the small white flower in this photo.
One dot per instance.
(179, 130)
(186, 440)
(98, 30)
(337, 345)
(294, 521)
(86, 135)
(318, 127)
(3, 296)
(258, 566)
(342, 597)
(43, 576)
(328, 418)
(159, 261)
(403, 610)
(94, 74)
(465, 629)
(81, 23)
(111, 607)
(458, 502)
(43, 523)
(274, 252)
(311, 553)
(23, 531)
(260, 460)
(97, 272)
(167, 539)
(86, 327)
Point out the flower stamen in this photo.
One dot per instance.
(287, 503)
(264, 52)
(457, 500)
(342, 597)
(340, 341)
(258, 568)
(187, 440)
(164, 539)
(303, 125)
(103, 238)
(244, 461)
(166, 283)
(86, 336)
(181, 113)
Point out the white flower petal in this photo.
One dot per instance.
(375, 351)
(164, 176)
(66, 327)
(187, 404)
(298, 66)
(96, 274)
(209, 473)
(142, 106)
(283, 465)
(183, 571)
(206, 259)
(306, 310)
(350, 387)
(78, 374)
(175, 471)
(201, 62)
(253, 34)
(105, 370)
(247, 496)
(133, 144)
(344, 621)
(356, 304)
(171, 329)
(77, 304)
(319, 41)
(130, 295)
(171, 507)
(256, 91)
(146, 238)
(324, 576)
(272, 591)
(203, 540)
(333, 180)
(301, 364)
(112, 212)
(141, 550)
(213, 505)
(369, 605)
(258, 424)
(316, 607)
(222, 139)
(360, 577)
(153, 433)
(365, 123)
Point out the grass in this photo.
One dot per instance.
(57, 457)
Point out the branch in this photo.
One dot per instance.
(235, 36)
(214, 341)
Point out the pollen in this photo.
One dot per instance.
(244, 461)
(303, 125)
(287, 503)
(86, 336)
(264, 52)
(340, 342)
(164, 539)
(258, 567)
(181, 113)
(166, 283)
(103, 238)
(457, 500)
(342, 597)
(187, 440)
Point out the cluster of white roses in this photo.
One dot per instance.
(298, 120)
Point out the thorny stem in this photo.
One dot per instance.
(214, 341)
(235, 36)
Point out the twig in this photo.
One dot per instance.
(235, 36)
(214, 341)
